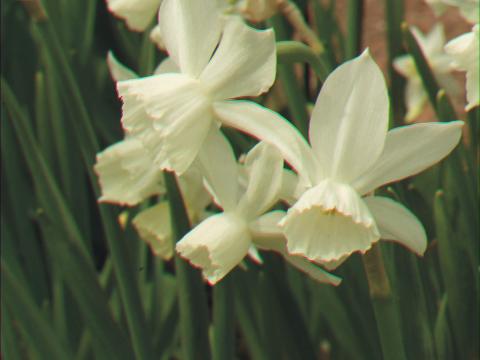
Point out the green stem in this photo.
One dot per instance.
(384, 307)
(289, 52)
(191, 294)
(223, 320)
(354, 28)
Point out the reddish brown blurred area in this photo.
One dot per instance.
(417, 13)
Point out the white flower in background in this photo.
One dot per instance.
(432, 47)
(128, 176)
(354, 154)
(154, 224)
(465, 52)
(469, 9)
(173, 113)
(138, 14)
(221, 241)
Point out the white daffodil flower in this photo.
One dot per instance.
(218, 60)
(221, 241)
(138, 14)
(432, 47)
(465, 52)
(468, 8)
(154, 224)
(126, 174)
(353, 155)
(125, 169)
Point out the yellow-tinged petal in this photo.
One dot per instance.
(153, 226)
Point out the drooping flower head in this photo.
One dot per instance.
(354, 154)
(218, 58)
(221, 241)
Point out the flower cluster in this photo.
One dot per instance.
(173, 121)
(461, 53)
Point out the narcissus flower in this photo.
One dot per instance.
(468, 8)
(138, 14)
(465, 53)
(432, 47)
(221, 241)
(353, 155)
(218, 60)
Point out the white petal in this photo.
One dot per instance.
(397, 223)
(138, 14)
(216, 246)
(266, 125)
(190, 30)
(156, 37)
(126, 173)
(178, 112)
(167, 66)
(183, 139)
(244, 63)
(194, 193)
(267, 235)
(219, 166)
(328, 222)
(153, 226)
(350, 118)
(312, 270)
(410, 150)
(290, 184)
(265, 228)
(264, 165)
(158, 98)
(118, 71)
(415, 98)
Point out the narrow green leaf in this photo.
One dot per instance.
(457, 278)
(67, 247)
(354, 28)
(223, 320)
(191, 292)
(89, 147)
(245, 316)
(40, 334)
(442, 332)
(394, 14)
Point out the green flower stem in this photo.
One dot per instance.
(191, 292)
(384, 307)
(354, 28)
(223, 320)
(289, 52)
